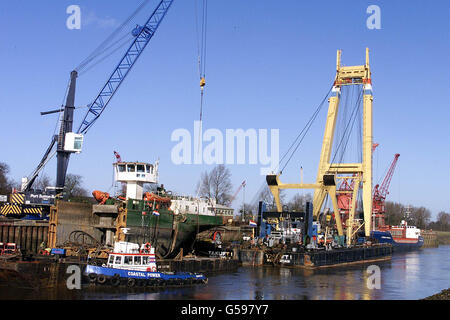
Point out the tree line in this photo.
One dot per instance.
(74, 183)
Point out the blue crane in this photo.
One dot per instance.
(142, 36)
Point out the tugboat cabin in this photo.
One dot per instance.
(129, 256)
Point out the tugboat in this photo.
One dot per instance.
(132, 265)
(170, 222)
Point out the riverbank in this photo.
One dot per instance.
(443, 237)
(443, 295)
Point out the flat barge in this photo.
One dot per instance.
(301, 258)
(336, 257)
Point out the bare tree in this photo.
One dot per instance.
(420, 217)
(443, 221)
(74, 186)
(216, 185)
(394, 213)
(266, 196)
(42, 182)
(250, 210)
(5, 183)
(298, 202)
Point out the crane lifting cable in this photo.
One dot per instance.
(201, 53)
(201, 41)
(105, 45)
(348, 129)
(303, 132)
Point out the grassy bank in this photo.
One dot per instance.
(443, 237)
(443, 295)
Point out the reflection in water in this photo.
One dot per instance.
(412, 275)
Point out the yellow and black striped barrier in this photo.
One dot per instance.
(32, 211)
(7, 209)
(18, 209)
(17, 198)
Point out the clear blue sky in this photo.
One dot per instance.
(269, 64)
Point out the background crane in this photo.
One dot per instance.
(242, 185)
(379, 196)
(67, 141)
(380, 193)
(38, 202)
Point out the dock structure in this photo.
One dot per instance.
(26, 234)
(430, 239)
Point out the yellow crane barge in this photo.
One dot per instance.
(344, 245)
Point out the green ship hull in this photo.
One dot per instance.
(167, 232)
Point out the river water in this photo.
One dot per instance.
(411, 275)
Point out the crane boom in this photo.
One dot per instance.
(380, 192)
(142, 34)
(237, 191)
(383, 190)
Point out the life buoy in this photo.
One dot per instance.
(92, 277)
(101, 279)
(217, 236)
(131, 282)
(115, 281)
(147, 247)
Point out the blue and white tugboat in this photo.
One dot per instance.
(132, 265)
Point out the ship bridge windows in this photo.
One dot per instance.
(128, 260)
(137, 260)
(140, 168)
(131, 168)
(121, 167)
(149, 168)
(118, 260)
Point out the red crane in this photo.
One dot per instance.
(237, 191)
(344, 197)
(380, 193)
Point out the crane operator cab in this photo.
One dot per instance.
(73, 142)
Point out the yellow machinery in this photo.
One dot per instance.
(329, 172)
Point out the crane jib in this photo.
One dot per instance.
(142, 34)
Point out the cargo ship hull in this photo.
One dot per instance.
(168, 232)
(399, 244)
